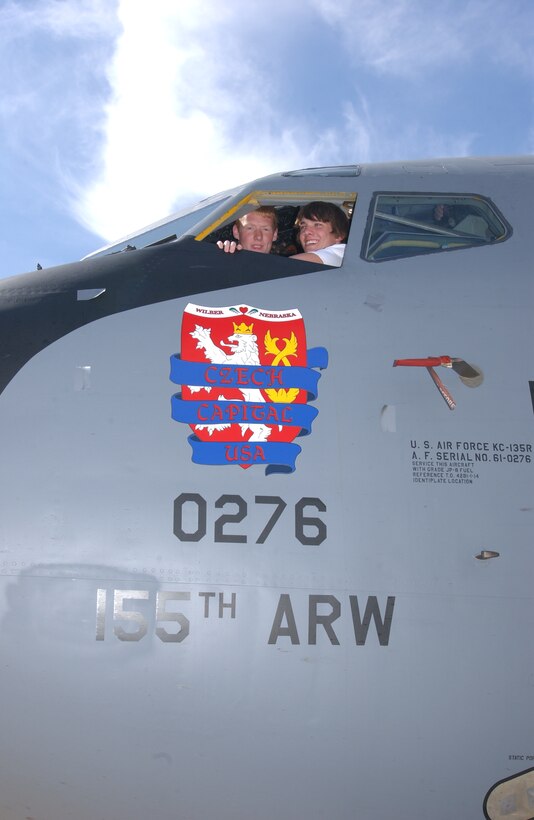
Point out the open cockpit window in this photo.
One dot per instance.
(286, 206)
(402, 225)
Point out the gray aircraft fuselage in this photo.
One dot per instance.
(290, 580)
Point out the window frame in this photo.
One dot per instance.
(297, 198)
(429, 238)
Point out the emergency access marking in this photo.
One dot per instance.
(458, 462)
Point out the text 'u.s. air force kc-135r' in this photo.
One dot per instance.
(295, 579)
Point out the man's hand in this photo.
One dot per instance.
(229, 246)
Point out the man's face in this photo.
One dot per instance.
(255, 232)
(315, 235)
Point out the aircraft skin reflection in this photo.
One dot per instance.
(249, 568)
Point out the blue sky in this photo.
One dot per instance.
(115, 113)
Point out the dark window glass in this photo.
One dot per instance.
(402, 225)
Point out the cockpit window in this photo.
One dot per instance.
(166, 230)
(286, 204)
(402, 225)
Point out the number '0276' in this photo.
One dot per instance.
(191, 518)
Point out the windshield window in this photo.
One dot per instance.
(287, 205)
(166, 230)
(402, 225)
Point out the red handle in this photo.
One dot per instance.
(431, 361)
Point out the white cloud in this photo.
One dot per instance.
(407, 38)
(51, 85)
(78, 18)
(139, 109)
(400, 37)
(171, 125)
(194, 111)
(363, 137)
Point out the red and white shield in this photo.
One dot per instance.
(245, 337)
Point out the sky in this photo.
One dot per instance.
(116, 113)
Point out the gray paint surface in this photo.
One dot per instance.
(223, 723)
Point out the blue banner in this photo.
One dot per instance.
(279, 457)
(250, 377)
(242, 412)
(317, 357)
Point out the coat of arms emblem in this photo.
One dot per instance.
(246, 378)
